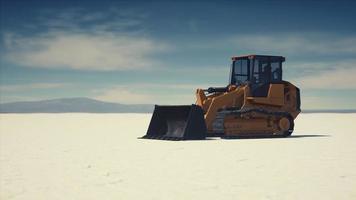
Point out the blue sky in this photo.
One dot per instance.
(161, 51)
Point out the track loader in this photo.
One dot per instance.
(255, 103)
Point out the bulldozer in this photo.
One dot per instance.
(257, 102)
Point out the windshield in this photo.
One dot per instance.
(240, 72)
(265, 71)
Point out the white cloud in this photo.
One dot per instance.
(323, 65)
(300, 69)
(165, 86)
(147, 94)
(76, 39)
(16, 98)
(19, 87)
(122, 95)
(332, 79)
(296, 44)
(74, 19)
(26, 92)
(83, 51)
(329, 102)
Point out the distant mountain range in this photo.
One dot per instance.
(87, 105)
(70, 105)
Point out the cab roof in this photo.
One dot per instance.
(262, 57)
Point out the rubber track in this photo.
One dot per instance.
(218, 124)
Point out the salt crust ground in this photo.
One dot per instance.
(97, 156)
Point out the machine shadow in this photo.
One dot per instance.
(306, 136)
(289, 137)
(241, 138)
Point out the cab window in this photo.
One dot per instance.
(265, 71)
(276, 71)
(240, 71)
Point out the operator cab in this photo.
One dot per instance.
(258, 71)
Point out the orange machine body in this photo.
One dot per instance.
(257, 102)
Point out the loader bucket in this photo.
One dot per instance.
(177, 123)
